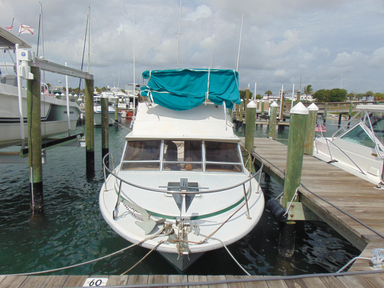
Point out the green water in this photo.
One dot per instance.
(72, 229)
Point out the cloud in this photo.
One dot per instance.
(377, 59)
(291, 40)
(345, 59)
(281, 40)
(202, 11)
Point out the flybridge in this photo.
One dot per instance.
(184, 89)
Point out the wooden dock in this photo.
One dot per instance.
(213, 281)
(351, 194)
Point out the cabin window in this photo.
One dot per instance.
(181, 155)
(222, 157)
(142, 155)
(359, 135)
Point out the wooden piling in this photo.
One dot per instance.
(241, 112)
(311, 126)
(116, 110)
(246, 104)
(89, 128)
(295, 154)
(272, 120)
(34, 142)
(262, 107)
(250, 130)
(104, 129)
(297, 98)
(325, 113)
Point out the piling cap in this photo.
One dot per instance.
(299, 108)
(313, 107)
(251, 104)
(274, 104)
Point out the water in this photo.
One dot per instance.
(73, 230)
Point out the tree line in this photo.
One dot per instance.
(327, 95)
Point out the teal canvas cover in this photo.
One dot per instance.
(184, 89)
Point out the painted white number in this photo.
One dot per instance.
(95, 282)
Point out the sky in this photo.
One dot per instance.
(325, 43)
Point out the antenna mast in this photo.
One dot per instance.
(238, 54)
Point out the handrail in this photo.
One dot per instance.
(250, 177)
(343, 153)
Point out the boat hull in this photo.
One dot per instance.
(182, 262)
(227, 226)
(361, 161)
(53, 114)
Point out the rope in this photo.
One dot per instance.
(230, 254)
(293, 198)
(207, 94)
(75, 265)
(94, 260)
(142, 259)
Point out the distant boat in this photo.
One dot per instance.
(54, 119)
(111, 109)
(182, 187)
(320, 128)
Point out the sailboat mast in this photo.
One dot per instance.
(134, 63)
(179, 35)
(85, 40)
(89, 37)
(38, 33)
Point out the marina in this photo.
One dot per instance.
(174, 176)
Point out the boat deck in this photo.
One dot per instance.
(358, 198)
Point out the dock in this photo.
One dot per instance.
(212, 281)
(349, 204)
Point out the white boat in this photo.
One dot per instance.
(181, 187)
(111, 108)
(359, 148)
(53, 111)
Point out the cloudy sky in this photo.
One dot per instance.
(325, 43)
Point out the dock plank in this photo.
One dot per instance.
(178, 279)
(75, 281)
(54, 281)
(116, 280)
(198, 278)
(12, 281)
(217, 278)
(137, 279)
(350, 193)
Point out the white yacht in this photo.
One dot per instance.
(54, 119)
(357, 148)
(182, 187)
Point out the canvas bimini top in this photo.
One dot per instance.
(184, 89)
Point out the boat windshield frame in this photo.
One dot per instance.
(366, 125)
(172, 155)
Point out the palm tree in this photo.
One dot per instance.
(308, 90)
(268, 92)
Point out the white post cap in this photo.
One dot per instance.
(299, 108)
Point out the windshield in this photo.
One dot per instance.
(182, 155)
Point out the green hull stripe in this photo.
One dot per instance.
(193, 217)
